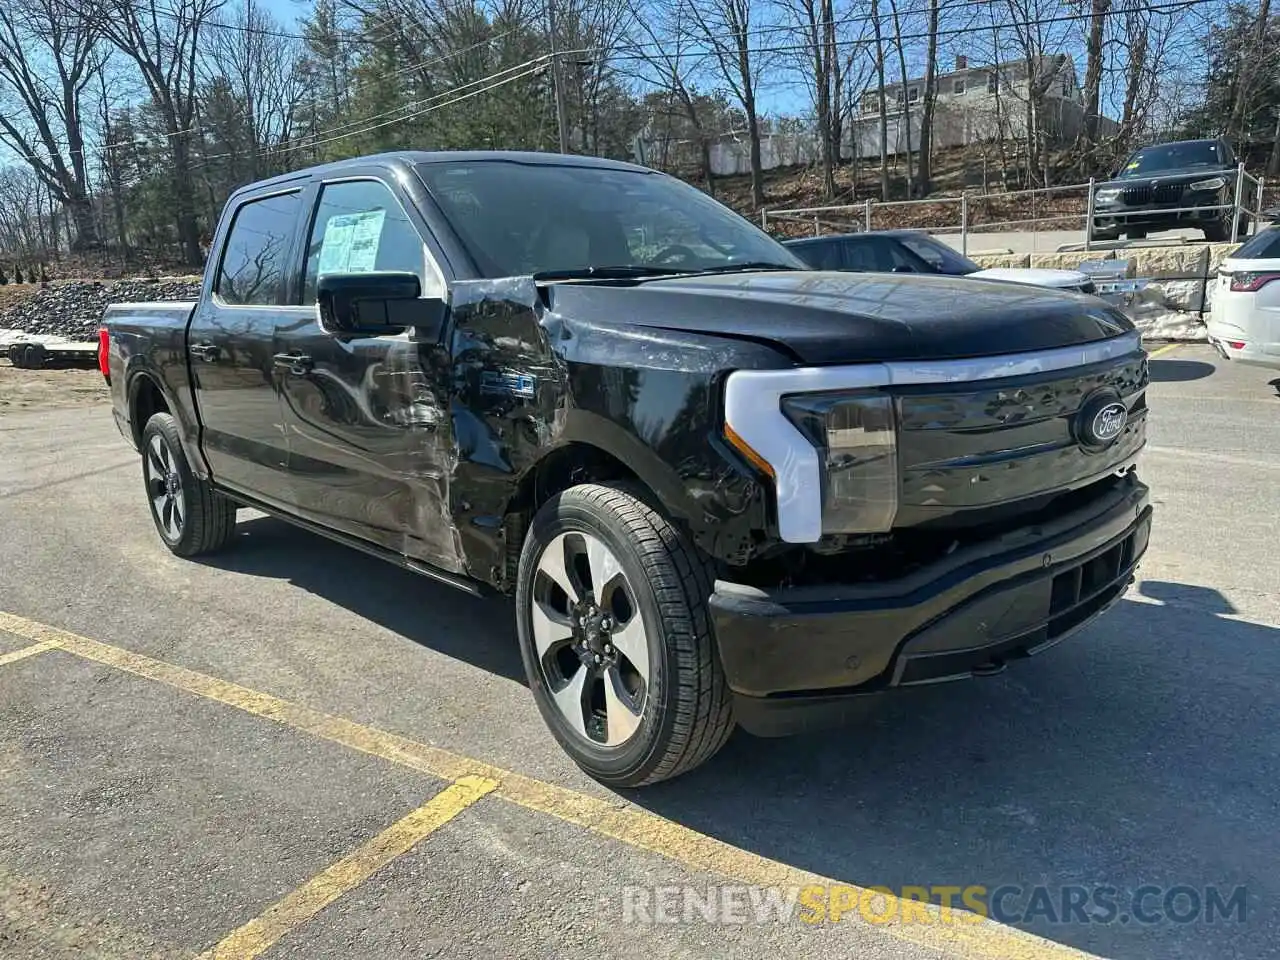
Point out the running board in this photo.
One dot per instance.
(457, 581)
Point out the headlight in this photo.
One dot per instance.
(1213, 183)
(857, 443)
(1108, 193)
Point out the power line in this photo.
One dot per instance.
(1158, 9)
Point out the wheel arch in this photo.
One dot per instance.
(146, 395)
(603, 458)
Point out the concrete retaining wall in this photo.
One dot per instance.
(1178, 287)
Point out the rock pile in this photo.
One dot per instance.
(73, 309)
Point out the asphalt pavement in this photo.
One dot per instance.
(294, 750)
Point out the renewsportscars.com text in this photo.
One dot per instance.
(1005, 903)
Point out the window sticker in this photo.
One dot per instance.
(350, 242)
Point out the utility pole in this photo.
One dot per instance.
(562, 126)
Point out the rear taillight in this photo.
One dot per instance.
(1235, 344)
(104, 344)
(1249, 281)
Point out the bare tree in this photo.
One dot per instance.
(260, 68)
(929, 96)
(905, 120)
(162, 37)
(668, 62)
(823, 70)
(48, 55)
(724, 26)
(1039, 34)
(1099, 11)
(884, 106)
(1250, 55)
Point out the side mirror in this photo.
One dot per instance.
(377, 303)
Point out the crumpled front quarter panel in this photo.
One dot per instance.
(529, 380)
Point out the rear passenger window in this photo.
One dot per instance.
(860, 255)
(824, 255)
(255, 255)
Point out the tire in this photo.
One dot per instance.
(1138, 233)
(190, 516)
(33, 355)
(667, 714)
(1104, 235)
(1216, 232)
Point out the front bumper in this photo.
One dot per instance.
(807, 657)
(1191, 210)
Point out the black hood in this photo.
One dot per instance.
(824, 317)
(1183, 176)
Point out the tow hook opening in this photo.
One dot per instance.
(989, 669)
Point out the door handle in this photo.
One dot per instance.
(208, 352)
(298, 364)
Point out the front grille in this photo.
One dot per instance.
(1166, 193)
(965, 454)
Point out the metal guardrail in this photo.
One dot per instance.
(859, 216)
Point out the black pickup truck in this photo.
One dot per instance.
(722, 488)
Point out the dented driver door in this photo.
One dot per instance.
(365, 419)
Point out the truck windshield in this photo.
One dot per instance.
(521, 219)
(1173, 156)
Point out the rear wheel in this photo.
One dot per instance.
(191, 517)
(1098, 233)
(616, 638)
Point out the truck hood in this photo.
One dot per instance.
(1183, 176)
(828, 317)
(1040, 277)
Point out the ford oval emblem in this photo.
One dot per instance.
(1102, 421)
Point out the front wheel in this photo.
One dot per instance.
(615, 633)
(191, 517)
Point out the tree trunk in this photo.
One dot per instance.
(80, 212)
(884, 107)
(925, 170)
(1244, 74)
(1273, 164)
(1093, 73)
(1133, 85)
(906, 96)
(757, 164)
(184, 201)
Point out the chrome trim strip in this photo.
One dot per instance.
(752, 407)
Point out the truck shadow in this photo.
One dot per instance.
(1144, 751)
(474, 631)
(1178, 371)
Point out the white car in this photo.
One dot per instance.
(1244, 323)
(910, 251)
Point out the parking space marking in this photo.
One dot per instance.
(38, 647)
(1165, 349)
(981, 939)
(262, 932)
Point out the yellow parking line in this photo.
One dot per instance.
(25, 652)
(262, 932)
(1165, 349)
(979, 940)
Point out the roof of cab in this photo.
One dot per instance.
(408, 158)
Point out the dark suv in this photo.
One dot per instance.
(1189, 183)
